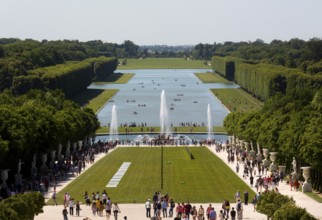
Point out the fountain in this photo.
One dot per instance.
(209, 123)
(114, 125)
(164, 117)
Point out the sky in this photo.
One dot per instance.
(161, 22)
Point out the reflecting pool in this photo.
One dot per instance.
(138, 101)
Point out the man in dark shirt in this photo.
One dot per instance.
(187, 209)
(233, 213)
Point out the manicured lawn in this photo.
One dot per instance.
(211, 77)
(204, 179)
(116, 78)
(237, 100)
(314, 196)
(163, 63)
(186, 129)
(94, 98)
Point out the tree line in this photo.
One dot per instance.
(18, 57)
(295, 53)
(289, 121)
(37, 122)
(264, 80)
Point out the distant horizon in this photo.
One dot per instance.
(142, 45)
(165, 22)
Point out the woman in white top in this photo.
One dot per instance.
(116, 210)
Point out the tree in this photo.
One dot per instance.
(290, 211)
(22, 206)
(131, 49)
(271, 201)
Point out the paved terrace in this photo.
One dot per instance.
(137, 211)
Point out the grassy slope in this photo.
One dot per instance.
(205, 179)
(237, 100)
(163, 63)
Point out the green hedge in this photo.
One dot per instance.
(22, 84)
(71, 77)
(265, 80)
(74, 77)
(225, 66)
(103, 66)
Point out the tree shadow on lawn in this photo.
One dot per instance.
(111, 78)
(84, 97)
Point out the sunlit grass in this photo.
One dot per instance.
(162, 63)
(203, 179)
(237, 100)
(211, 77)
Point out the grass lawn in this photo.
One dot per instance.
(186, 129)
(211, 77)
(94, 98)
(237, 100)
(163, 63)
(314, 196)
(204, 179)
(116, 78)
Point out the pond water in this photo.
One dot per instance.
(187, 98)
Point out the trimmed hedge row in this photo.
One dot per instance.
(71, 77)
(265, 80)
(224, 66)
(103, 66)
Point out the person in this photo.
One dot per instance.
(187, 209)
(239, 208)
(246, 197)
(254, 202)
(116, 210)
(227, 207)
(65, 213)
(54, 196)
(221, 215)
(251, 179)
(201, 213)
(194, 213)
(179, 210)
(233, 214)
(71, 207)
(172, 205)
(237, 196)
(148, 208)
(108, 210)
(77, 208)
(208, 211)
(94, 208)
(212, 214)
(164, 206)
